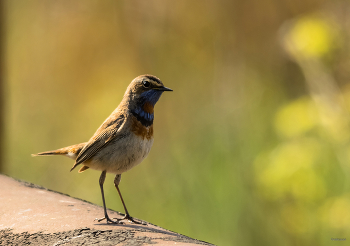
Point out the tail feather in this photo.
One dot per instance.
(52, 152)
(70, 151)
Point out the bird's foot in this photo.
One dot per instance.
(117, 221)
(132, 220)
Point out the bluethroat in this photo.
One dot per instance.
(123, 140)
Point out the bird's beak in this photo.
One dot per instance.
(163, 88)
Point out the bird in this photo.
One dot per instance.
(122, 141)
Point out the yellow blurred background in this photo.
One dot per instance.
(251, 148)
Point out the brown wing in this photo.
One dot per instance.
(97, 142)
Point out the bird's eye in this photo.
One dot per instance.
(146, 84)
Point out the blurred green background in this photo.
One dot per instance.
(251, 148)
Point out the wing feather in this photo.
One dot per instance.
(100, 140)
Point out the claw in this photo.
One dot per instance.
(131, 219)
(117, 221)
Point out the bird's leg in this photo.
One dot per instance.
(127, 216)
(102, 180)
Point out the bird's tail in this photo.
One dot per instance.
(70, 151)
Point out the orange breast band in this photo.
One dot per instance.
(148, 108)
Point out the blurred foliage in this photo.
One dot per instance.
(251, 148)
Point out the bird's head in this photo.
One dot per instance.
(146, 89)
(142, 94)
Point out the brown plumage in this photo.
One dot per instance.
(69, 151)
(124, 139)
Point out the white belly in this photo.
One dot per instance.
(121, 156)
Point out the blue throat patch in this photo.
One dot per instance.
(151, 97)
(141, 113)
